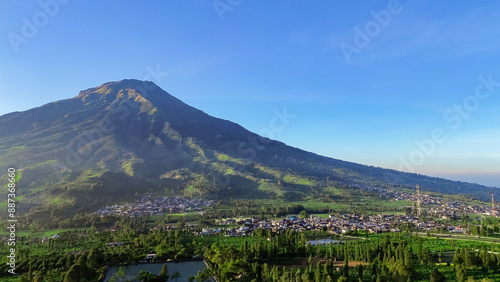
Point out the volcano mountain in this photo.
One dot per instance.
(123, 139)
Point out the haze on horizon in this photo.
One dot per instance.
(409, 85)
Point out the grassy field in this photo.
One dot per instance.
(18, 198)
(19, 174)
(91, 173)
(11, 151)
(234, 241)
(36, 234)
(176, 216)
(472, 238)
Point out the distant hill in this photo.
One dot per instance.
(123, 139)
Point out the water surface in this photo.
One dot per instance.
(185, 268)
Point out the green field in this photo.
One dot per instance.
(37, 234)
(470, 238)
(19, 174)
(12, 151)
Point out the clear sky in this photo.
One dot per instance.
(410, 85)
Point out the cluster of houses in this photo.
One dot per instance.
(149, 205)
(395, 195)
(412, 197)
(247, 226)
(453, 208)
(434, 204)
(336, 224)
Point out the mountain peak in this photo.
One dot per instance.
(138, 91)
(141, 86)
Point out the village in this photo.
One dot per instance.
(434, 216)
(434, 205)
(149, 205)
(335, 224)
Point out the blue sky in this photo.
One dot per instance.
(365, 82)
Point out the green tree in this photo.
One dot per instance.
(120, 273)
(84, 270)
(94, 259)
(345, 269)
(427, 256)
(298, 276)
(73, 274)
(468, 260)
(23, 279)
(485, 259)
(461, 272)
(317, 273)
(360, 271)
(437, 276)
(176, 275)
(420, 255)
(164, 273)
(457, 258)
(310, 260)
(303, 214)
(146, 276)
(82, 260)
(474, 230)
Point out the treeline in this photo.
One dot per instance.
(467, 262)
(383, 260)
(53, 266)
(84, 254)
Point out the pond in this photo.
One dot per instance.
(324, 242)
(185, 268)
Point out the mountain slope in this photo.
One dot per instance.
(122, 139)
